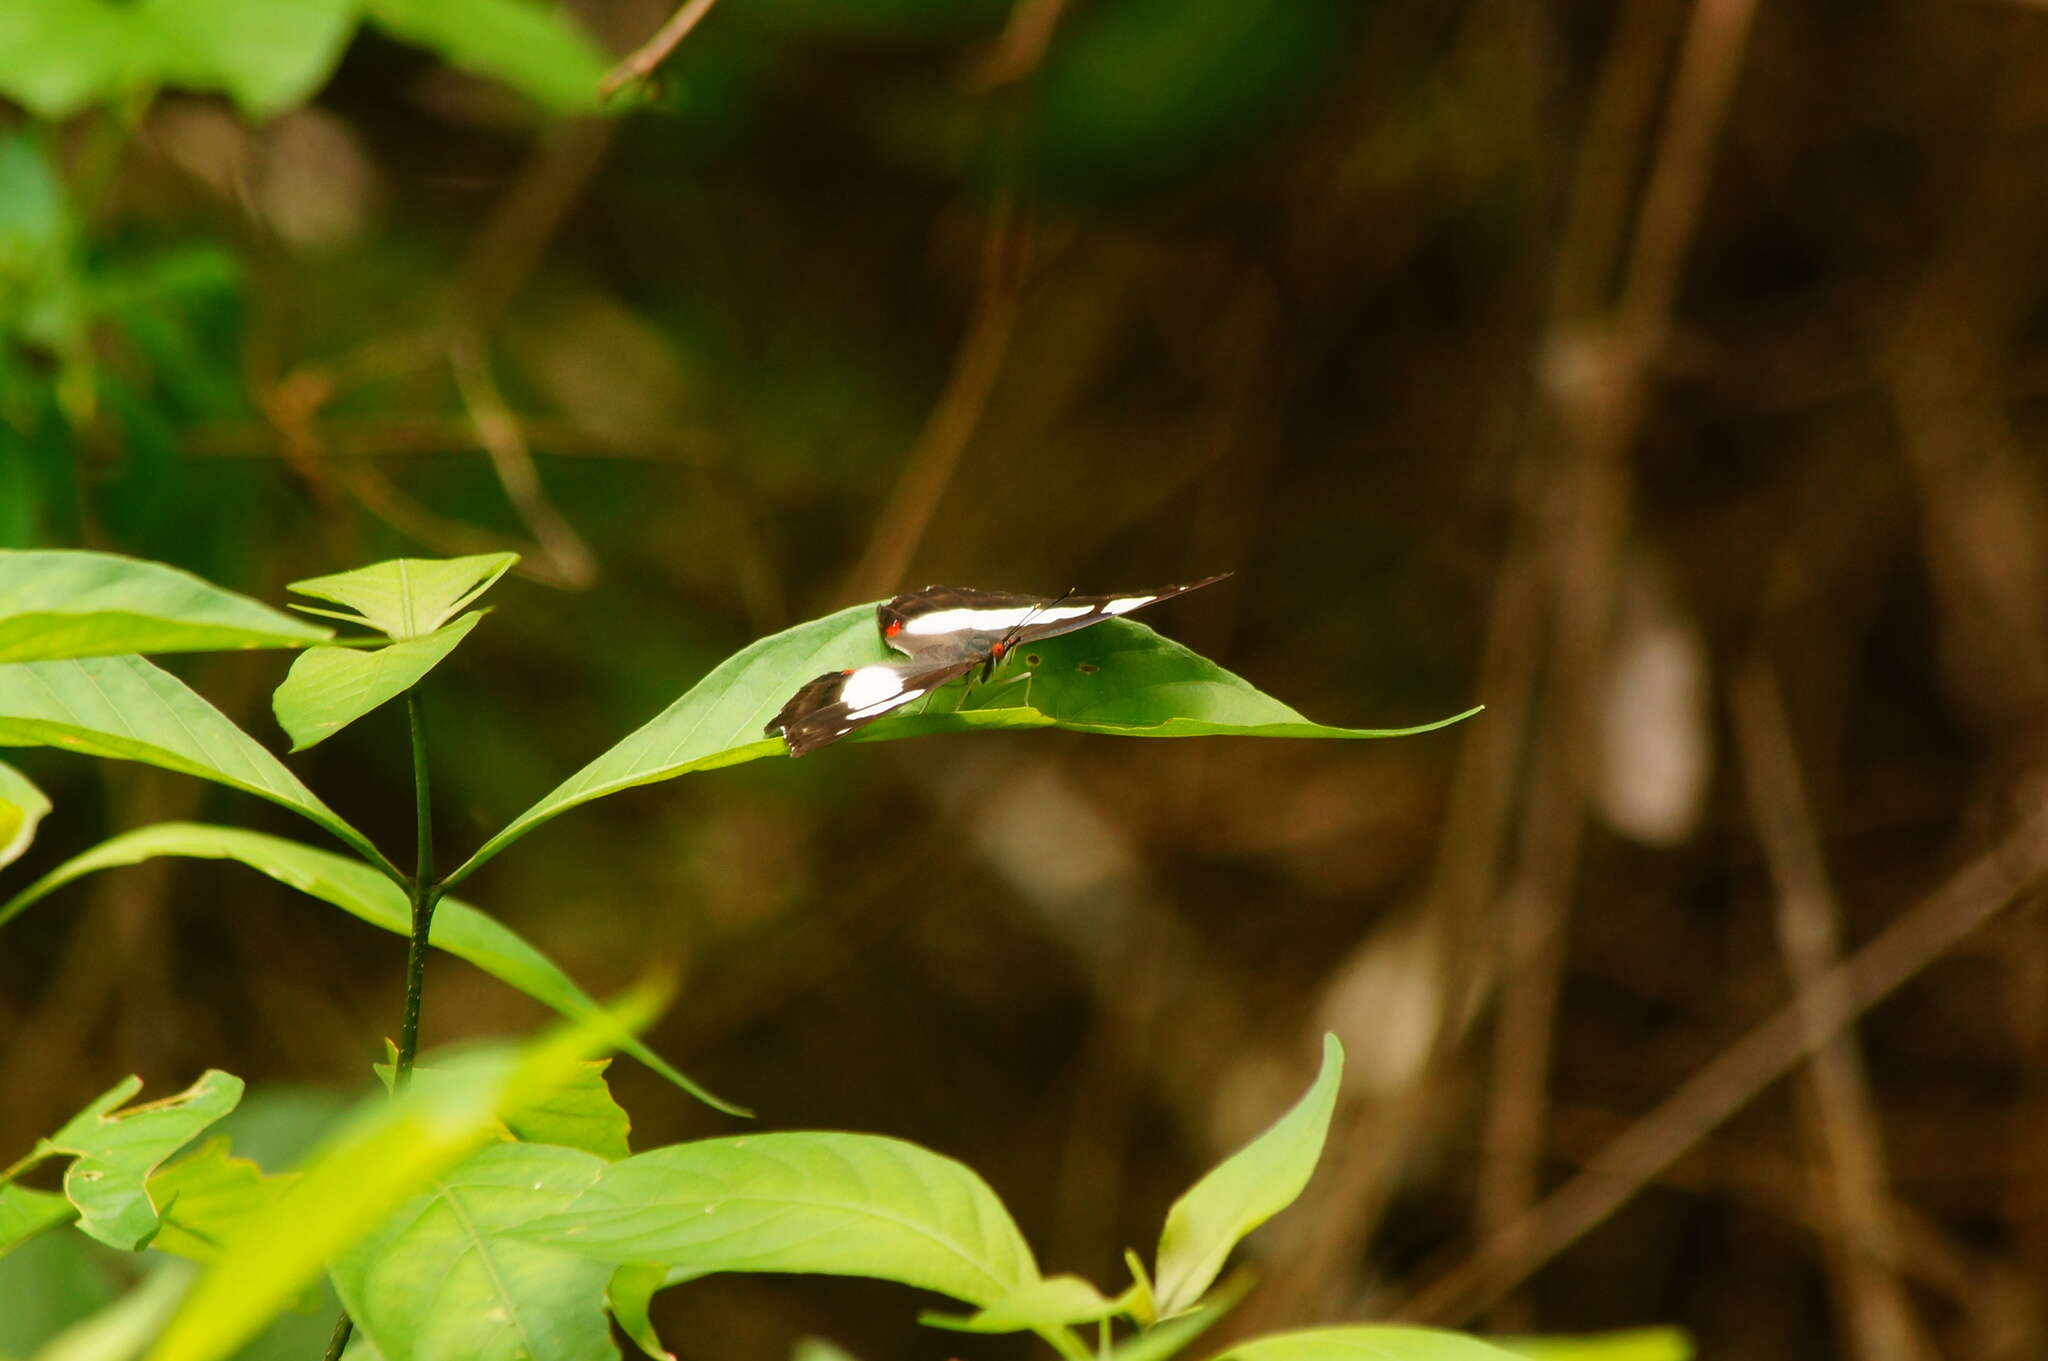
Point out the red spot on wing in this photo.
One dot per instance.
(895, 627)
(847, 672)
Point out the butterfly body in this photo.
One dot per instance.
(944, 632)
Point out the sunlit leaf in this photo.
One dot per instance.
(835, 1204)
(1244, 1191)
(408, 597)
(629, 1297)
(818, 1349)
(329, 688)
(266, 55)
(441, 1276)
(1172, 1337)
(206, 1195)
(1369, 1343)
(114, 1151)
(534, 47)
(1117, 677)
(22, 806)
(24, 1213)
(1053, 1302)
(56, 604)
(580, 1114)
(125, 1327)
(461, 930)
(129, 710)
(387, 1153)
(59, 56)
(1636, 1344)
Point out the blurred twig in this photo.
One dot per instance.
(1600, 379)
(1020, 47)
(502, 438)
(1871, 1298)
(900, 526)
(643, 60)
(1923, 934)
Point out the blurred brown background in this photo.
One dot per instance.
(1668, 376)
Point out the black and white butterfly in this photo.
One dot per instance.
(944, 632)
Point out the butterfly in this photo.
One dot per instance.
(944, 632)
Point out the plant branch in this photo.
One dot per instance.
(425, 894)
(642, 61)
(2016, 866)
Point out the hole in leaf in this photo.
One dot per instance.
(1088, 668)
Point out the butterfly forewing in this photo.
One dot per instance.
(952, 621)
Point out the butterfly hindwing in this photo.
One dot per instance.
(833, 705)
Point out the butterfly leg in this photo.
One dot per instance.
(1024, 676)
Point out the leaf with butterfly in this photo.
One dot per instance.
(1088, 672)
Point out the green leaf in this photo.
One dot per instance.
(56, 604)
(49, 1283)
(818, 1349)
(835, 1204)
(24, 1213)
(1053, 1302)
(461, 930)
(58, 56)
(266, 55)
(442, 1276)
(535, 48)
(580, 1114)
(126, 1326)
(407, 597)
(1117, 677)
(129, 710)
(206, 1195)
(329, 688)
(1244, 1191)
(1371, 1343)
(387, 1153)
(22, 806)
(1638, 1344)
(114, 1151)
(1171, 1337)
(629, 1296)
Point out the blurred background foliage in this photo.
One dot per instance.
(1668, 376)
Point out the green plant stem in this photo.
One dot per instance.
(425, 895)
(337, 1341)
